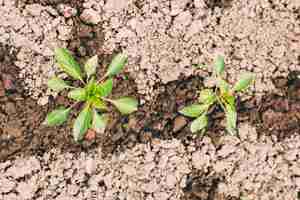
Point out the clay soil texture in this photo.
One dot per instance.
(152, 154)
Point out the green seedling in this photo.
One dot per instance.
(222, 94)
(93, 94)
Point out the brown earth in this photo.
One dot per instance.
(22, 132)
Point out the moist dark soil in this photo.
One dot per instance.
(22, 131)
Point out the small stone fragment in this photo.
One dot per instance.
(2, 90)
(67, 11)
(171, 181)
(90, 16)
(8, 82)
(90, 166)
(179, 123)
(90, 135)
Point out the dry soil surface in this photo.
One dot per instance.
(259, 168)
(163, 39)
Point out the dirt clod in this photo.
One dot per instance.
(179, 123)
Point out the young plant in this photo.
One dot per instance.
(93, 94)
(222, 94)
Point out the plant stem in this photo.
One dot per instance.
(102, 79)
(220, 102)
(82, 81)
(106, 99)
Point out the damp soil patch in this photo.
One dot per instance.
(22, 131)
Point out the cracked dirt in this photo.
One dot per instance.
(154, 156)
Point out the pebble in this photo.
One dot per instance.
(67, 11)
(8, 82)
(179, 123)
(90, 166)
(10, 108)
(90, 16)
(2, 90)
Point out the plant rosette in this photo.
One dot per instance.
(223, 94)
(93, 94)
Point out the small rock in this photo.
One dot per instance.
(90, 16)
(8, 82)
(90, 166)
(10, 108)
(43, 101)
(67, 11)
(35, 9)
(171, 181)
(281, 82)
(179, 123)
(132, 124)
(2, 90)
(90, 135)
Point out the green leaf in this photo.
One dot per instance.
(200, 123)
(194, 110)
(207, 96)
(105, 88)
(228, 98)
(223, 86)
(91, 85)
(82, 123)
(99, 104)
(91, 65)
(219, 65)
(57, 84)
(67, 63)
(231, 119)
(125, 105)
(116, 65)
(244, 82)
(99, 122)
(57, 117)
(78, 94)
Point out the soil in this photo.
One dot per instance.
(22, 134)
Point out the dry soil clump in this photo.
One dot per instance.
(164, 38)
(260, 168)
(34, 30)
